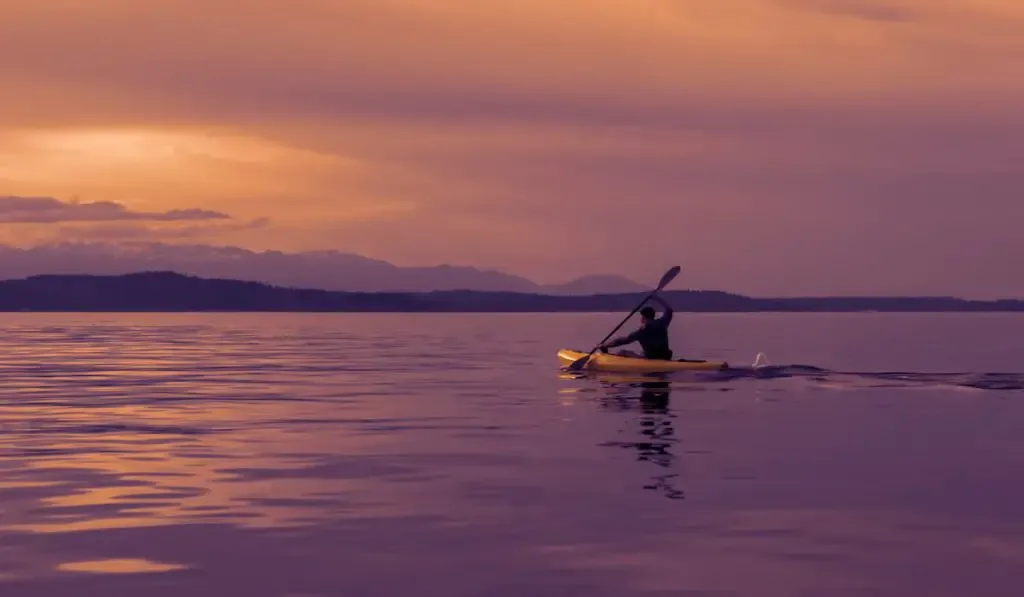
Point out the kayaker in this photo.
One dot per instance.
(652, 335)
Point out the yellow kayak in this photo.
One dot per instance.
(611, 362)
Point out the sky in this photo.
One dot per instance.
(770, 147)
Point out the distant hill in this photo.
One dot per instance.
(328, 270)
(595, 285)
(169, 291)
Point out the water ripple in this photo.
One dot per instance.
(270, 455)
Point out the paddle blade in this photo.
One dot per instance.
(668, 277)
(578, 364)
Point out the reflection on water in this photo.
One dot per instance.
(654, 425)
(272, 455)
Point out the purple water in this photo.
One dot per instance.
(322, 454)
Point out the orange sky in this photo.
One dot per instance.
(768, 146)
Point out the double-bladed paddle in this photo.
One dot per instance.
(665, 280)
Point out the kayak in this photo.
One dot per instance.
(612, 362)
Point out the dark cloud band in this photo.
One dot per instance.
(43, 210)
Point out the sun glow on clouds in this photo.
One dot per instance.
(244, 175)
(85, 155)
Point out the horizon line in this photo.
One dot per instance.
(166, 272)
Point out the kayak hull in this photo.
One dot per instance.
(610, 362)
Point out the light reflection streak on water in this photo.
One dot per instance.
(120, 426)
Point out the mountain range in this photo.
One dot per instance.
(327, 270)
(170, 291)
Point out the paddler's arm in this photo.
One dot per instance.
(621, 340)
(666, 317)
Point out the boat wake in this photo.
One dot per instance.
(981, 381)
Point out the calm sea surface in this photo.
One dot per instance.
(446, 455)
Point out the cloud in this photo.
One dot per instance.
(598, 60)
(37, 210)
(870, 10)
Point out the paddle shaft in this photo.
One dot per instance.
(631, 313)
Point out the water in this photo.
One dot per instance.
(342, 454)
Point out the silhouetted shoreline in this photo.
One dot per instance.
(172, 292)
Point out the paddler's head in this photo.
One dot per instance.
(647, 314)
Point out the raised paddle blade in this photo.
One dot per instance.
(665, 280)
(669, 276)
